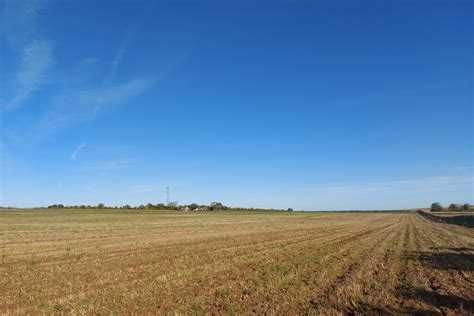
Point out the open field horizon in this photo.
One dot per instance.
(178, 150)
(117, 261)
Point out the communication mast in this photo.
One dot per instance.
(167, 195)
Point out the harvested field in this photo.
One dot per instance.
(111, 261)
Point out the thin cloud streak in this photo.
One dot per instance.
(75, 101)
(36, 59)
(400, 193)
(71, 107)
(116, 61)
(18, 29)
(429, 184)
(465, 168)
(78, 149)
(125, 43)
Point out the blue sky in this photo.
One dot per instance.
(303, 104)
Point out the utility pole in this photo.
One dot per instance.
(167, 195)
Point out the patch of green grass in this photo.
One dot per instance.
(265, 277)
(56, 306)
(197, 308)
(279, 269)
(371, 284)
(284, 284)
(51, 306)
(230, 308)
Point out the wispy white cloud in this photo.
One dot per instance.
(36, 59)
(399, 193)
(429, 184)
(89, 94)
(118, 56)
(35, 55)
(71, 107)
(122, 48)
(77, 150)
(111, 95)
(464, 168)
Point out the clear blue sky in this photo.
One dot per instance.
(303, 104)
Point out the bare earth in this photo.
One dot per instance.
(144, 262)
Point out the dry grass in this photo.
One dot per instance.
(106, 261)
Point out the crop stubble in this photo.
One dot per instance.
(103, 261)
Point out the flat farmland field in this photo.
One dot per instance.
(149, 262)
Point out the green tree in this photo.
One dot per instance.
(454, 207)
(100, 205)
(193, 206)
(437, 207)
(173, 205)
(215, 206)
(149, 206)
(467, 207)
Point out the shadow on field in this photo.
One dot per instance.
(440, 300)
(366, 309)
(454, 248)
(446, 260)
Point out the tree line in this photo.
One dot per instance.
(437, 207)
(214, 206)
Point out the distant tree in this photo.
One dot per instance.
(215, 206)
(437, 207)
(290, 210)
(160, 206)
(126, 206)
(100, 205)
(454, 207)
(193, 206)
(56, 206)
(149, 206)
(173, 205)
